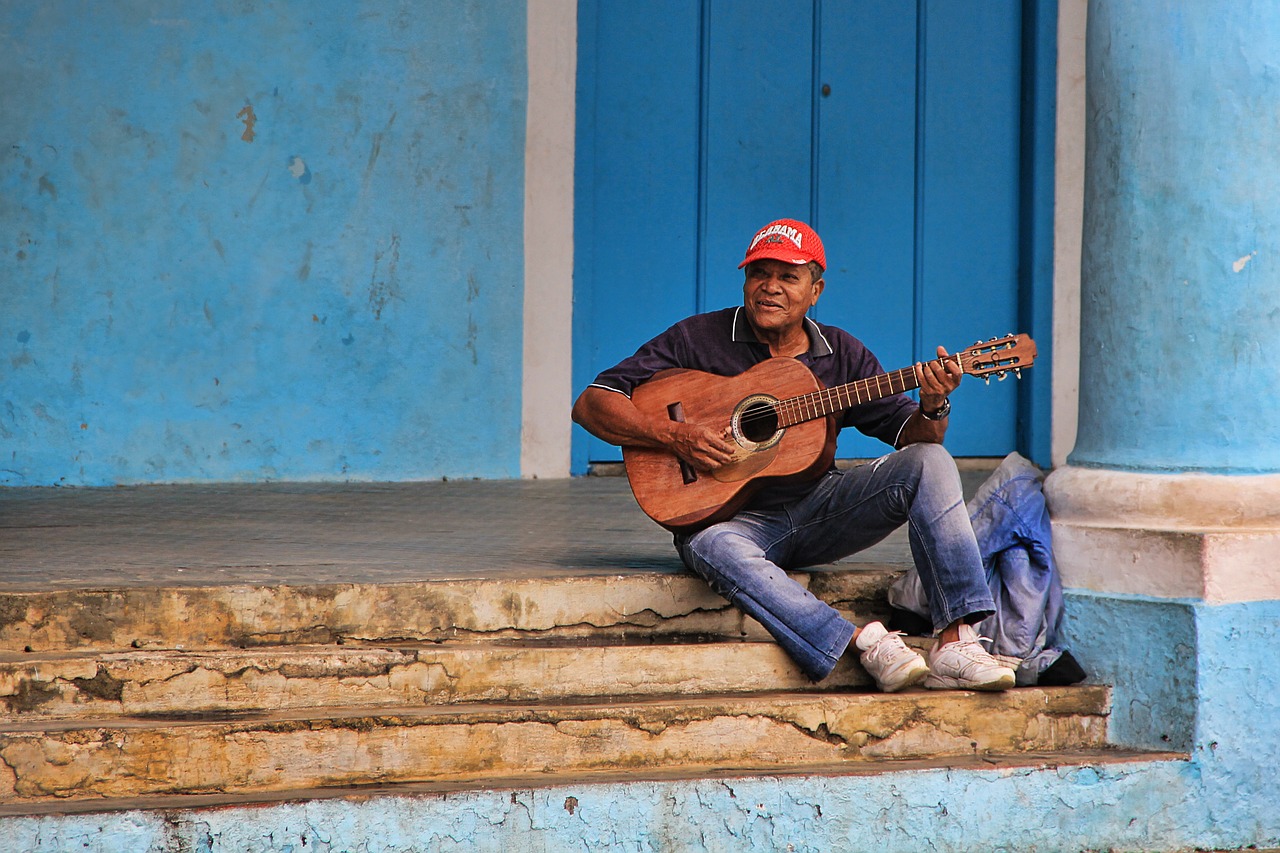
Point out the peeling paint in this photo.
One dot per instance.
(1241, 263)
(250, 120)
(299, 170)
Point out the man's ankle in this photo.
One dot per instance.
(950, 634)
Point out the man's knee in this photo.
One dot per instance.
(932, 465)
(929, 457)
(719, 546)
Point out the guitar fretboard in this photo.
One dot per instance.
(828, 401)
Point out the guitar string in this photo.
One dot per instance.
(807, 407)
(814, 404)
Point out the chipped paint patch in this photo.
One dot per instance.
(250, 120)
(298, 168)
(1241, 263)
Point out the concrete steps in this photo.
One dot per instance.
(137, 683)
(111, 695)
(612, 607)
(319, 747)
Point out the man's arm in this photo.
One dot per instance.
(937, 380)
(612, 417)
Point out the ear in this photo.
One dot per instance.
(818, 287)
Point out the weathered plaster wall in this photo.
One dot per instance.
(1201, 679)
(278, 240)
(1127, 807)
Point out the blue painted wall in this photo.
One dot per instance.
(248, 241)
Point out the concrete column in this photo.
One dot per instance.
(1166, 519)
(1178, 442)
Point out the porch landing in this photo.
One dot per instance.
(312, 533)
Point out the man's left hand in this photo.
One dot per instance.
(937, 380)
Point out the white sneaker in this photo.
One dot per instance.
(888, 660)
(966, 665)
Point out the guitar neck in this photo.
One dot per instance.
(828, 401)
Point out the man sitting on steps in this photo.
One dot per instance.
(791, 526)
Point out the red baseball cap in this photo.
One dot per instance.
(786, 240)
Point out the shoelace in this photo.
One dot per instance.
(974, 652)
(883, 650)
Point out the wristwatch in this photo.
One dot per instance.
(943, 411)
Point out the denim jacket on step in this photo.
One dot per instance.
(1011, 521)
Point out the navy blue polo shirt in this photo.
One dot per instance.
(723, 342)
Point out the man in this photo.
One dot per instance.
(792, 525)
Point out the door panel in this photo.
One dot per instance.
(636, 174)
(968, 203)
(759, 132)
(866, 186)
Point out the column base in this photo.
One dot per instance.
(1188, 536)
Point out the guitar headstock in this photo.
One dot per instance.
(998, 357)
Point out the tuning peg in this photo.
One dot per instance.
(1017, 371)
(987, 379)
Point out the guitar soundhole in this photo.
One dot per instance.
(755, 422)
(759, 422)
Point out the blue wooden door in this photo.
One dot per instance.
(893, 127)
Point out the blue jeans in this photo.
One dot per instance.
(744, 559)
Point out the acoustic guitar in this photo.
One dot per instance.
(779, 416)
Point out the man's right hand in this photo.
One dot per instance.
(701, 446)
(615, 419)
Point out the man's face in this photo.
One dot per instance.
(777, 294)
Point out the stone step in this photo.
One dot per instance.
(569, 607)
(105, 759)
(69, 685)
(568, 787)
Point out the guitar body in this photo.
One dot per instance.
(684, 500)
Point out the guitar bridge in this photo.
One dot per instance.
(675, 411)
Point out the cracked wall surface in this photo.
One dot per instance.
(1138, 806)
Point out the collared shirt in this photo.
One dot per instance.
(723, 342)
